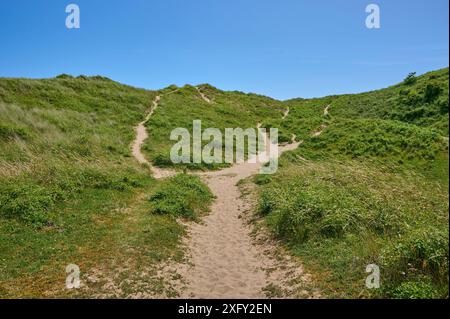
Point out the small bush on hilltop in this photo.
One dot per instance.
(410, 79)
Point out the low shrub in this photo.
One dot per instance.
(181, 196)
(424, 253)
(27, 202)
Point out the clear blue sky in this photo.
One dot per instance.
(284, 49)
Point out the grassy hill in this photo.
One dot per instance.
(180, 106)
(70, 192)
(372, 188)
(67, 182)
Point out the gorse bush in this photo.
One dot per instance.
(181, 196)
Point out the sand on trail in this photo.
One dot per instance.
(141, 136)
(226, 263)
(286, 113)
(223, 260)
(326, 111)
(203, 96)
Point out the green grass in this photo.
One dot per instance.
(341, 217)
(180, 106)
(181, 196)
(70, 192)
(423, 103)
(372, 188)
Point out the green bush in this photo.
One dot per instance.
(64, 76)
(432, 91)
(162, 160)
(415, 290)
(425, 252)
(27, 202)
(262, 179)
(410, 79)
(181, 196)
(282, 138)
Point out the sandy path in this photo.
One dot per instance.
(226, 262)
(203, 96)
(141, 136)
(223, 259)
(286, 113)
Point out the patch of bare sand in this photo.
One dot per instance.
(286, 113)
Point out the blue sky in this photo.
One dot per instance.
(283, 49)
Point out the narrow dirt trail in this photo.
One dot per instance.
(326, 111)
(203, 96)
(141, 136)
(286, 113)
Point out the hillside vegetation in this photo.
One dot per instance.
(179, 107)
(372, 188)
(69, 190)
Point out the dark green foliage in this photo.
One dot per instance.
(410, 79)
(432, 92)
